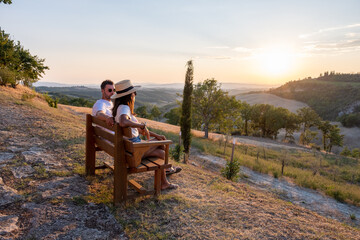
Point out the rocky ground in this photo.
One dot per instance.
(39, 197)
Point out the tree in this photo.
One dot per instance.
(335, 138)
(263, 118)
(25, 67)
(325, 127)
(142, 111)
(246, 116)
(308, 117)
(307, 137)
(185, 120)
(207, 104)
(291, 125)
(6, 1)
(230, 116)
(155, 113)
(331, 135)
(173, 116)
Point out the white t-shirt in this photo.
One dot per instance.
(103, 105)
(125, 109)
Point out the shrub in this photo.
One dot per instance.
(27, 96)
(355, 153)
(338, 195)
(345, 152)
(7, 77)
(177, 152)
(231, 170)
(52, 103)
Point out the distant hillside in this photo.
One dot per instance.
(146, 96)
(266, 98)
(331, 95)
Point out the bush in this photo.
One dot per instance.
(338, 195)
(345, 152)
(231, 170)
(177, 152)
(350, 120)
(355, 153)
(52, 103)
(7, 77)
(27, 96)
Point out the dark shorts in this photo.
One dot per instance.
(135, 139)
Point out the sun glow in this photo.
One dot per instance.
(276, 61)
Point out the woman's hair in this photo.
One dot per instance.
(124, 100)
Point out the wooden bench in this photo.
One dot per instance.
(127, 157)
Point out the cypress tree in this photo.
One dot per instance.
(185, 121)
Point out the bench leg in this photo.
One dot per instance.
(157, 182)
(90, 147)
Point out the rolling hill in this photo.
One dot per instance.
(330, 95)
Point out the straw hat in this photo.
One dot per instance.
(123, 88)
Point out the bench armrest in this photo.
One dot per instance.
(152, 143)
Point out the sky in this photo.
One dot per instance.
(253, 42)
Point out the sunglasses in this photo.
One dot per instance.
(111, 90)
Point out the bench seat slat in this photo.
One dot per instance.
(149, 165)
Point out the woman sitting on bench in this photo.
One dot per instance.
(123, 112)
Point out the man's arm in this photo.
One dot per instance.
(109, 120)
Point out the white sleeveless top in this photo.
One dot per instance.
(125, 109)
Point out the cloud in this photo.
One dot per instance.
(332, 29)
(330, 41)
(243, 50)
(218, 47)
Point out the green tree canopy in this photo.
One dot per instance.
(6, 1)
(207, 106)
(155, 113)
(18, 64)
(245, 112)
(142, 111)
(173, 116)
(308, 117)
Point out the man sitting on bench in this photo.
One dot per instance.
(103, 110)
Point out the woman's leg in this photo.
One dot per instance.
(158, 152)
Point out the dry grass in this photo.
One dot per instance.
(206, 206)
(209, 207)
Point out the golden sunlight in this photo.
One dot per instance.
(276, 61)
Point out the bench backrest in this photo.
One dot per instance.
(113, 139)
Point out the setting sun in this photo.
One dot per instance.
(276, 61)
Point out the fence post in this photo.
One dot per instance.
(233, 148)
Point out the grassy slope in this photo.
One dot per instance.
(205, 207)
(327, 98)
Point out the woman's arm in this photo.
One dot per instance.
(157, 136)
(125, 121)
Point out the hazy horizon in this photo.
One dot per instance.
(257, 42)
(179, 85)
